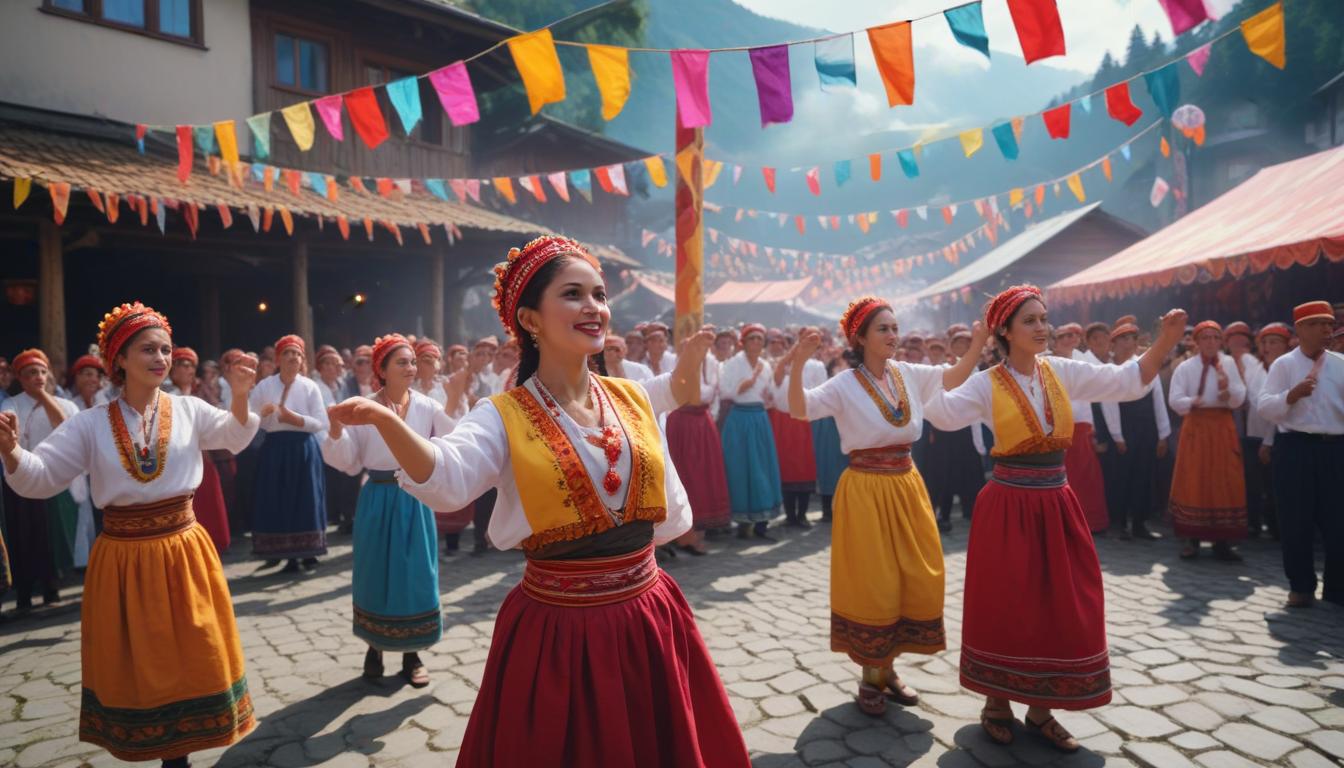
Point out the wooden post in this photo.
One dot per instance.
(436, 288)
(690, 274)
(303, 317)
(51, 290)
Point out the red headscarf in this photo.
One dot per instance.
(185, 353)
(427, 348)
(119, 325)
(751, 328)
(858, 313)
(1238, 327)
(513, 274)
(86, 361)
(287, 341)
(1275, 329)
(1313, 310)
(325, 351)
(1208, 325)
(1002, 307)
(30, 357)
(455, 348)
(1122, 329)
(384, 346)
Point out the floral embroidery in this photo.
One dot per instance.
(1065, 683)
(126, 449)
(1039, 442)
(176, 728)
(876, 646)
(900, 416)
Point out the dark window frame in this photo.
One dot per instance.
(93, 14)
(299, 36)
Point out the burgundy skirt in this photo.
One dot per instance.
(697, 453)
(599, 662)
(208, 503)
(1034, 624)
(793, 444)
(453, 522)
(1085, 478)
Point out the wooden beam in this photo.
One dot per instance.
(51, 290)
(436, 288)
(303, 314)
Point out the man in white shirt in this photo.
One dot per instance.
(1304, 395)
(1237, 342)
(657, 357)
(1138, 430)
(613, 354)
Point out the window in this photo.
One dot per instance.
(176, 20)
(430, 128)
(300, 64)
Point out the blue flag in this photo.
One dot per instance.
(908, 164)
(436, 188)
(968, 26)
(1164, 86)
(405, 97)
(318, 182)
(583, 182)
(205, 138)
(842, 171)
(835, 62)
(1007, 140)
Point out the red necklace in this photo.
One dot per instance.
(609, 439)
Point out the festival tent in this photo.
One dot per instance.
(1286, 215)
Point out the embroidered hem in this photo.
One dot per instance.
(876, 646)
(289, 545)
(1054, 683)
(398, 633)
(172, 730)
(1219, 524)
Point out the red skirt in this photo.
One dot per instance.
(453, 522)
(1085, 478)
(599, 662)
(697, 453)
(1034, 624)
(1208, 486)
(208, 504)
(793, 444)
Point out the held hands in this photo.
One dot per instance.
(287, 416)
(267, 410)
(9, 433)
(357, 411)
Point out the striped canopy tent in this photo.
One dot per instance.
(1287, 215)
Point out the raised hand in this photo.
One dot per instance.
(698, 345)
(979, 335)
(808, 343)
(9, 432)
(243, 374)
(1173, 325)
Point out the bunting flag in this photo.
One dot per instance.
(261, 135)
(225, 215)
(908, 165)
(875, 166)
(1159, 191)
(60, 200)
(405, 97)
(366, 116)
(1120, 106)
(114, 207)
(690, 79)
(774, 89)
(1264, 35)
(205, 138)
(96, 199)
(769, 175)
(842, 172)
(227, 137)
(1164, 85)
(1038, 28)
(185, 139)
(140, 130)
(504, 186)
(329, 109)
(658, 171)
(1006, 138)
(972, 141)
(1039, 195)
(160, 215)
(458, 98)
(424, 232)
(611, 70)
(583, 183)
(299, 118)
(967, 23)
(604, 180)
(557, 181)
(737, 174)
(1184, 14)
(616, 174)
(192, 216)
(267, 219)
(814, 180)
(537, 62)
(949, 213)
(834, 59)
(1199, 57)
(318, 182)
(343, 226)
(895, 57)
(712, 170)
(903, 218)
(533, 184)
(1057, 121)
(800, 224)
(437, 188)
(1015, 197)
(368, 228)
(1165, 146)
(1075, 183)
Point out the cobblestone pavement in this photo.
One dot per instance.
(1209, 670)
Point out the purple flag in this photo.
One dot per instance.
(690, 76)
(774, 91)
(455, 93)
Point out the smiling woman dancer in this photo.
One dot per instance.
(161, 662)
(595, 658)
(1034, 628)
(887, 562)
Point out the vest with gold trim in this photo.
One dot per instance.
(559, 498)
(1017, 431)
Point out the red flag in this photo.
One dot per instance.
(769, 174)
(1057, 121)
(343, 224)
(1120, 106)
(96, 199)
(903, 218)
(184, 150)
(367, 117)
(603, 175)
(292, 180)
(384, 186)
(1038, 28)
(113, 207)
(225, 215)
(814, 181)
(192, 217)
(802, 225)
(60, 200)
(267, 217)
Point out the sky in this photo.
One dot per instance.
(1091, 27)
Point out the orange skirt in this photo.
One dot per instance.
(1208, 489)
(162, 664)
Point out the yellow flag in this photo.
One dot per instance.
(1015, 197)
(228, 142)
(685, 161)
(299, 118)
(21, 189)
(972, 140)
(534, 55)
(504, 185)
(1076, 187)
(1264, 35)
(712, 169)
(657, 171)
(611, 70)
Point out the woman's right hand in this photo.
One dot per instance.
(358, 411)
(9, 433)
(808, 343)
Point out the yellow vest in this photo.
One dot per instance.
(1017, 431)
(559, 498)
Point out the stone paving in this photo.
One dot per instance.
(1209, 670)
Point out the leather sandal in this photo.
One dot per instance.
(899, 692)
(414, 671)
(373, 665)
(997, 726)
(1055, 733)
(871, 700)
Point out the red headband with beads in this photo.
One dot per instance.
(30, 357)
(858, 313)
(384, 346)
(1002, 307)
(123, 322)
(513, 274)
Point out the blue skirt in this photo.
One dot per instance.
(831, 461)
(396, 581)
(752, 466)
(289, 508)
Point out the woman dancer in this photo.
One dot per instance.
(595, 658)
(1034, 630)
(887, 559)
(748, 441)
(289, 513)
(396, 578)
(694, 446)
(162, 665)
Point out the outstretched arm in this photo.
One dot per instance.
(802, 352)
(958, 374)
(413, 453)
(1173, 328)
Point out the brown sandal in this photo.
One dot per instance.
(414, 671)
(997, 727)
(899, 692)
(1055, 733)
(871, 700)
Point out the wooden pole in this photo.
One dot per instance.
(303, 317)
(51, 290)
(690, 233)
(436, 288)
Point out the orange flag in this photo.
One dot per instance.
(288, 219)
(1264, 35)
(60, 200)
(424, 232)
(113, 207)
(1106, 167)
(1166, 147)
(895, 61)
(504, 185)
(343, 224)
(875, 166)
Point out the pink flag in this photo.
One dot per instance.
(814, 181)
(558, 182)
(690, 76)
(459, 188)
(455, 93)
(1184, 14)
(1159, 192)
(617, 175)
(1198, 58)
(474, 190)
(329, 107)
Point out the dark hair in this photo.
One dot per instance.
(1002, 341)
(116, 373)
(529, 357)
(854, 355)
